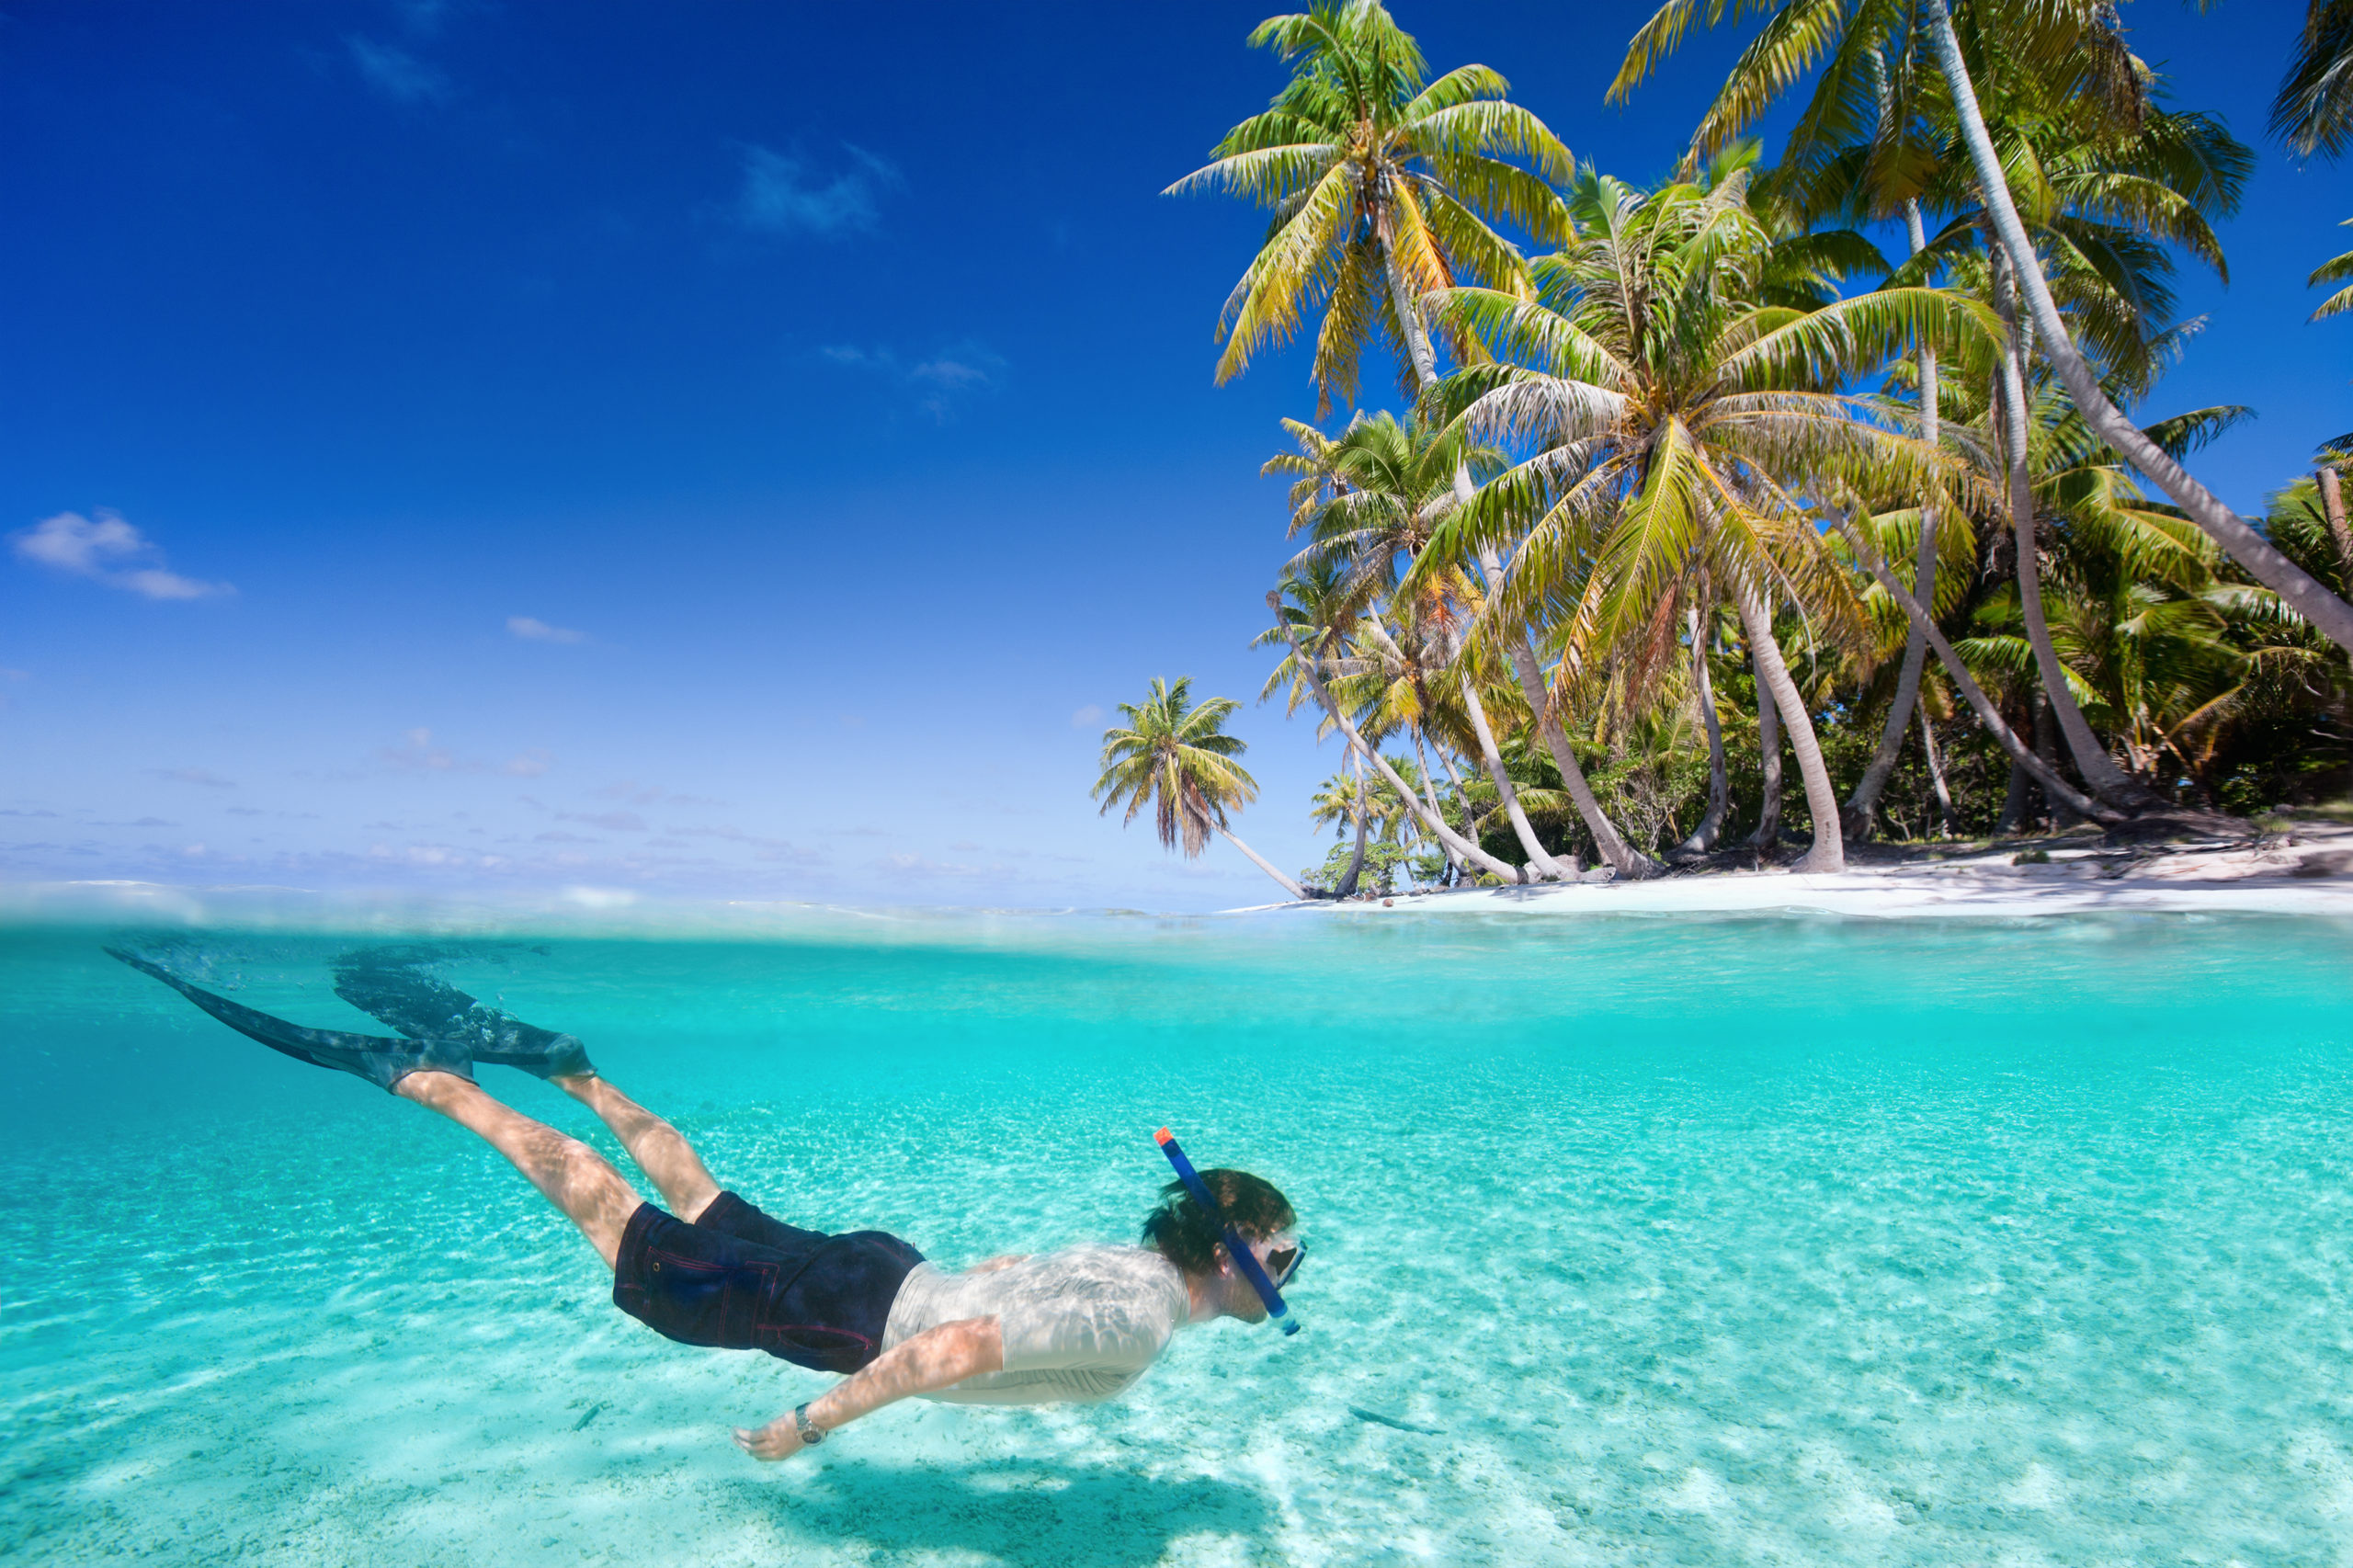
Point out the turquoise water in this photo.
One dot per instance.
(1738, 1240)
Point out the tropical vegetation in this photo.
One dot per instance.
(1839, 468)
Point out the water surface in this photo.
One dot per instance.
(1685, 1240)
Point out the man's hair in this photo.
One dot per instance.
(1188, 1237)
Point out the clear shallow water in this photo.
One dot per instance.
(1690, 1240)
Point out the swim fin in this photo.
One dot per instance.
(425, 1008)
(383, 1062)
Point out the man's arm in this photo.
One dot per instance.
(932, 1359)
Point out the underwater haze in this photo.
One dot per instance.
(1708, 1241)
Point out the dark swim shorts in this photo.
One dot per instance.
(736, 1280)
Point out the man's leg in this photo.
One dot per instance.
(575, 1177)
(660, 1150)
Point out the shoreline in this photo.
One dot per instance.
(2307, 871)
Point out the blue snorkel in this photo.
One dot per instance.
(1235, 1247)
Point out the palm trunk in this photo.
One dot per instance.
(2046, 746)
(1430, 792)
(1356, 861)
(1289, 886)
(2014, 800)
(2332, 503)
(1829, 851)
(1712, 827)
(1607, 840)
(1409, 319)
(2107, 781)
(1862, 806)
(1430, 821)
(1767, 836)
(1936, 773)
(1462, 793)
(2325, 610)
(1627, 862)
(1974, 695)
(1538, 860)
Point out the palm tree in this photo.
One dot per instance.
(1175, 756)
(2068, 52)
(1390, 479)
(1308, 623)
(2313, 112)
(1383, 189)
(1677, 422)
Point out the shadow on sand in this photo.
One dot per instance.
(1022, 1512)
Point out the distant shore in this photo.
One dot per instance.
(2305, 869)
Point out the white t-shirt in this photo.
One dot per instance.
(1080, 1325)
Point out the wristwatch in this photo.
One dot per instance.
(810, 1433)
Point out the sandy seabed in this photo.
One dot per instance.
(1711, 1240)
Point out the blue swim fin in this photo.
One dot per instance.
(390, 984)
(383, 1062)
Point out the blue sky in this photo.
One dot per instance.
(718, 450)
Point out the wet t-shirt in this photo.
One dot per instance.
(1079, 1324)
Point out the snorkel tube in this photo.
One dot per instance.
(1235, 1247)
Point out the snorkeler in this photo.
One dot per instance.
(1079, 1324)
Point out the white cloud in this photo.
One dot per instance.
(419, 752)
(530, 629)
(107, 550)
(1090, 714)
(193, 776)
(958, 370)
(397, 74)
(611, 822)
(529, 764)
(783, 195)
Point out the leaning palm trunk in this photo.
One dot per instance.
(1539, 861)
(1289, 886)
(1607, 840)
(1935, 772)
(1429, 795)
(2107, 781)
(1430, 821)
(2332, 616)
(1712, 827)
(1462, 793)
(1767, 836)
(1356, 861)
(2021, 755)
(1627, 861)
(1829, 851)
(1862, 806)
(2332, 502)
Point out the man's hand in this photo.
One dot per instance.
(992, 1265)
(779, 1439)
(933, 1359)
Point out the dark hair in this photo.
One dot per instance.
(1188, 1238)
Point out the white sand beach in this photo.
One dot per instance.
(2305, 870)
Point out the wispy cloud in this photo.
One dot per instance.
(1090, 714)
(107, 550)
(192, 776)
(610, 822)
(531, 629)
(958, 371)
(529, 764)
(783, 193)
(397, 74)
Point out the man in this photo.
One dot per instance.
(1079, 1324)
